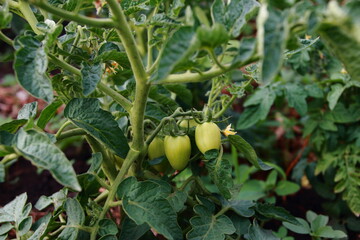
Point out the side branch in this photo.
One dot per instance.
(200, 77)
(94, 22)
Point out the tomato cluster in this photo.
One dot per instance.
(177, 149)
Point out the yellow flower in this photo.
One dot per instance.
(343, 71)
(228, 131)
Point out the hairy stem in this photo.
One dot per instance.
(71, 133)
(29, 15)
(93, 22)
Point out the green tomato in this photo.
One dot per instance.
(207, 136)
(177, 151)
(188, 123)
(156, 150)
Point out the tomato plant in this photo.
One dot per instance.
(119, 75)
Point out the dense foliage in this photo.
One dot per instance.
(150, 86)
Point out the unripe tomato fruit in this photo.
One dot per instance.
(188, 123)
(155, 150)
(177, 151)
(207, 136)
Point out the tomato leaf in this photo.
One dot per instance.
(15, 211)
(107, 227)
(87, 114)
(38, 148)
(30, 66)
(47, 113)
(273, 32)
(13, 126)
(130, 230)
(220, 172)
(57, 199)
(234, 15)
(145, 202)
(286, 188)
(90, 76)
(257, 107)
(207, 227)
(28, 111)
(180, 45)
(75, 216)
(241, 207)
(296, 97)
(257, 233)
(274, 212)
(246, 50)
(245, 148)
(338, 27)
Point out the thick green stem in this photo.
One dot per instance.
(64, 65)
(200, 77)
(130, 159)
(71, 133)
(127, 39)
(227, 105)
(120, 99)
(58, 133)
(29, 15)
(12, 4)
(93, 22)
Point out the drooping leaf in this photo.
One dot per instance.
(257, 108)
(90, 76)
(334, 95)
(13, 126)
(220, 171)
(47, 113)
(246, 50)
(87, 114)
(145, 202)
(212, 36)
(245, 148)
(274, 212)
(338, 27)
(39, 149)
(30, 66)
(273, 31)
(234, 15)
(180, 45)
(75, 217)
